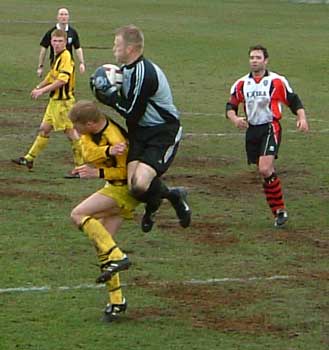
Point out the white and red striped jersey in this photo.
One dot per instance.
(263, 97)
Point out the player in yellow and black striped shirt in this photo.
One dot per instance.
(59, 83)
(105, 150)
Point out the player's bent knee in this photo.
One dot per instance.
(265, 171)
(44, 130)
(76, 217)
(138, 190)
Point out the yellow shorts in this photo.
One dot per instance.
(121, 195)
(57, 114)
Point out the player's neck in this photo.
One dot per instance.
(259, 74)
(62, 26)
(133, 58)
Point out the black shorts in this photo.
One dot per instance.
(155, 146)
(262, 140)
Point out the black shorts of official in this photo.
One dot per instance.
(155, 146)
(262, 140)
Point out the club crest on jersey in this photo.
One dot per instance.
(265, 82)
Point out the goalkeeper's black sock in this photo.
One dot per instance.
(153, 195)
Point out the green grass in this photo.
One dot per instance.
(202, 46)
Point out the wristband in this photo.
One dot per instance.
(101, 173)
(108, 152)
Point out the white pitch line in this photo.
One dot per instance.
(207, 134)
(249, 279)
(97, 286)
(230, 134)
(197, 114)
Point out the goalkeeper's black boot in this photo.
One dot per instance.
(178, 199)
(112, 311)
(23, 161)
(149, 216)
(111, 268)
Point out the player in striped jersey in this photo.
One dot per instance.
(100, 216)
(154, 130)
(59, 83)
(262, 94)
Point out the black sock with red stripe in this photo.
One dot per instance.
(273, 193)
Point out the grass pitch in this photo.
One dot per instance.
(230, 281)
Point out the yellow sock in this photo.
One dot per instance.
(106, 247)
(77, 152)
(38, 145)
(115, 291)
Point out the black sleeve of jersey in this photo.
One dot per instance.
(75, 40)
(143, 85)
(294, 102)
(45, 41)
(230, 107)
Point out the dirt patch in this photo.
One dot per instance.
(244, 183)
(313, 275)
(25, 181)
(147, 313)
(204, 232)
(203, 162)
(203, 307)
(247, 182)
(17, 124)
(16, 110)
(31, 195)
(308, 237)
(255, 324)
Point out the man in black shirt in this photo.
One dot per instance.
(63, 18)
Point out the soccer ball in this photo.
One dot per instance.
(114, 74)
(106, 78)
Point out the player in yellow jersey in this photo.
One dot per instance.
(104, 148)
(59, 83)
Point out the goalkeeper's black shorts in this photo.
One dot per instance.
(155, 146)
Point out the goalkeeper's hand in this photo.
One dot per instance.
(102, 89)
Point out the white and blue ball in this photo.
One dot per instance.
(107, 76)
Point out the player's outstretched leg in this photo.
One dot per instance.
(37, 147)
(148, 218)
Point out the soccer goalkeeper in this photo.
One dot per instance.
(104, 148)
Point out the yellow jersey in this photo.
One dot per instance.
(62, 69)
(96, 151)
